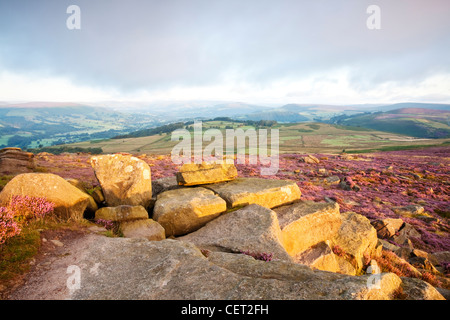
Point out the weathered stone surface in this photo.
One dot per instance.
(164, 184)
(121, 213)
(357, 238)
(14, 160)
(405, 233)
(143, 228)
(416, 289)
(92, 206)
(439, 257)
(171, 269)
(319, 256)
(253, 228)
(388, 246)
(185, 210)
(124, 179)
(191, 174)
(98, 196)
(265, 192)
(70, 202)
(387, 228)
(306, 223)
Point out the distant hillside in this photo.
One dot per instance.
(414, 105)
(31, 125)
(293, 138)
(415, 122)
(293, 113)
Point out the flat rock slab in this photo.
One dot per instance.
(268, 193)
(121, 213)
(132, 269)
(135, 269)
(124, 179)
(185, 210)
(191, 174)
(252, 229)
(306, 223)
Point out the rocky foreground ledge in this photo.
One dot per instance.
(207, 234)
(171, 269)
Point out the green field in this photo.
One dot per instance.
(294, 138)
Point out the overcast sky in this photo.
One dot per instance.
(253, 51)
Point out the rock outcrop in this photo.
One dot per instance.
(124, 179)
(14, 160)
(171, 269)
(70, 202)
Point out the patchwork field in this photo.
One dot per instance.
(293, 138)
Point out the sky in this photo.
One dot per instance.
(254, 51)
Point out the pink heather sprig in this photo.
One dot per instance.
(26, 208)
(259, 256)
(108, 224)
(8, 226)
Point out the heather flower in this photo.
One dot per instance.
(259, 256)
(8, 226)
(26, 208)
(107, 224)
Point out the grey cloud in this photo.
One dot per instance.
(135, 45)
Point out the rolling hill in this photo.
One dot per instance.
(293, 138)
(34, 124)
(415, 122)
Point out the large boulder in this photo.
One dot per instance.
(306, 223)
(252, 229)
(177, 270)
(70, 202)
(265, 192)
(124, 179)
(14, 160)
(191, 174)
(185, 210)
(357, 238)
